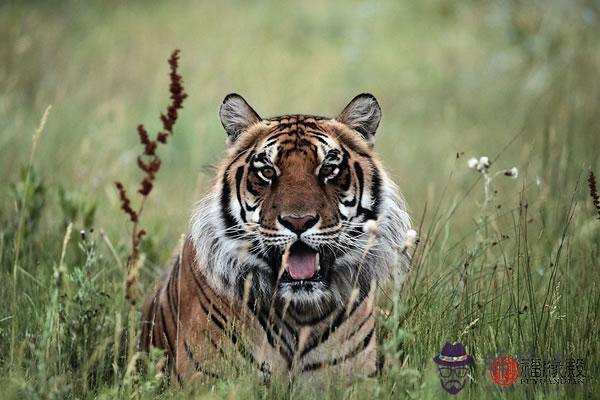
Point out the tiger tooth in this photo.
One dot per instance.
(318, 264)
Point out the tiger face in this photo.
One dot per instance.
(287, 218)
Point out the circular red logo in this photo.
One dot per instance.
(504, 371)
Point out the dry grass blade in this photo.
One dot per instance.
(21, 225)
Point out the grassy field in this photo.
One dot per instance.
(512, 271)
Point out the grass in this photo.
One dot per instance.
(515, 81)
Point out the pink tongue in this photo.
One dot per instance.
(302, 264)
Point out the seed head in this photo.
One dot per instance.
(371, 227)
(411, 238)
(481, 165)
(484, 163)
(513, 172)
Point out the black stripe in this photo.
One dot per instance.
(221, 325)
(249, 207)
(152, 328)
(238, 345)
(225, 200)
(321, 140)
(317, 134)
(238, 183)
(312, 321)
(376, 189)
(171, 293)
(361, 211)
(305, 118)
(203, 293)
(281, 323)
(285, 351)
(248, 151)
(288, 141)
(343, 167)
(197, 366)
(250, 154)
(357, 350)
(243, 350)
(165, 331)
(339, 320)
(350, 203)
(212, 317)
(259, 182)
(345, 152)
(361, 180)
(240, 286)
(279, 315)
(362, 323)
(357, 150)
(221, 351)
(164, 335)
(273, 138)
(228, 218)
(269, 326)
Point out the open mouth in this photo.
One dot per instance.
(302, 263)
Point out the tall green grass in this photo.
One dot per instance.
(515, 81)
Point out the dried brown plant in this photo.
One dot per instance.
(149, 162)
(594, 192)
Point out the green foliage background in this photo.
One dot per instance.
(513, 80)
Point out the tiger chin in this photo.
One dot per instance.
(279, 269)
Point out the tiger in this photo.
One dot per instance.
(286, 252)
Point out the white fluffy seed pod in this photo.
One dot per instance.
(483, 164)
(371, 228)
(410, 239)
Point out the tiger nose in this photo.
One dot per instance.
(298, 224)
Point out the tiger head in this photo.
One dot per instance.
(302, 211)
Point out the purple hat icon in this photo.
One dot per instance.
(453, 355)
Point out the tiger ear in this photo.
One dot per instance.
(236, 116)
(363, 115)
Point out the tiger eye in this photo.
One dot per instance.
(268, 172)
(326, 170)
